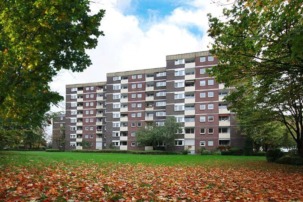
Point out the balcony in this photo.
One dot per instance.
(79, 131)
(80, 92)
(149, 109)
(224, 111)
(190, 77)
(99, 139)
(123, 109)
(123, 147)
(100, 90)
(99, 115)
(189, 124)
(149, 78)
(190, 100)
(221, 98)
(79, 115)
(190, 65)
(149, 118)
(150, 88)
(189, 88)
(224, 135)
(124, 90)
(189, 136)
(224, 123)
(189, 112)
(99, 106)
(123, 128)
(80, 99)
(150, 98)
(79, 107)
(124, 99)
(99, 131)
(99, 123)
(221, 86)
(124, 119)
(79, 140)
(79, 147)
(79, 124)
(100, 98)
(124, 81)
(123, 138)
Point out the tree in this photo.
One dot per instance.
(259, 49)
(38, 38)
(153, 135)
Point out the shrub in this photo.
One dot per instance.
(273, 155)
(185, 152)
(259, 153)
(53, 150)
(205, 152)
(291, 160)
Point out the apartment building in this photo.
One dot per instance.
(58, 137)
(108, 114)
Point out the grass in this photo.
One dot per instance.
(27, 158)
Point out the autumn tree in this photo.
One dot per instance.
(38, 38)
(259, 44)
(153, 135)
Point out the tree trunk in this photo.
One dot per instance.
(300, 148)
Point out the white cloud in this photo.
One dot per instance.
(128, 46)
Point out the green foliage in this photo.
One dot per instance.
(38, 39)
(235, 151)
(258, 49)
(153, 135)
(273, 155)
(53, 150)
(290, 160)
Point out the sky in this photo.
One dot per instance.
(139, 34)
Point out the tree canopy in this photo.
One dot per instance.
(38, 38)
(258, 44)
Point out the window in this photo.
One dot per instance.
(73, 96)
(116, 96)
(73, 120)
(202, 107)
(116, 133)
(133, 144)
(72, 136)
(91, 111)
(91, 95)
(116, 115)
(86, 128)
(87, 104)
(139, 114)
(210, 82)
(92, 88)
(87, 96)
(210, 58)
(139, 85)
(210, 106)
(160, 84)
(91, 104)
(210, 94)
(179, 62)
(139, 124)
(91, 120)
(210, 143)
(91, 128)
(179, 72)
(179, 119)
(210, 118)
(133, 95)
(159, 123)
(224, 142)
(202, 83)
(116, 105)
(116, 78)
(134, 76)
(133, 134)
(116, 124)
(134, 86)
(86, 120)
(133, 115)
(73, 112)
(179, 142)
(179, 95)
(87, 88)
(161, 74)
(202, 71)
(210, 130)
(160, 104)
(159, 94)
(139, 105)
(73, 104)
(202, 118)
(202, 95)
(87, 112)
(189, 130)
(179, 107)
(133, 124)
(160, 113)
(133, 105)
(202, 131)
(73, 89)
(116, 87)
(139, 76)
(202, 143)
(116, 143)
(223, 130)
(223, 118)
(202, 59)
(139, 95)
(179, 84)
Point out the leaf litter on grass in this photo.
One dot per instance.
(141, 182)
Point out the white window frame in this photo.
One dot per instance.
(179, 84)
(202, 143)
(202, 119)
(160, 94)
(179, 107)
(178, 95)
(210, 94)
(179, 72)
(202, 95)
(203, 59)
(211, 82)
(210, 106)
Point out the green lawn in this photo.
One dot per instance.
(24, 158)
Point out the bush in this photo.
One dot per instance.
(273, 155)
(205, 152)
(235, 151)
(53, 150)
(291, 160)
(259, 153)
